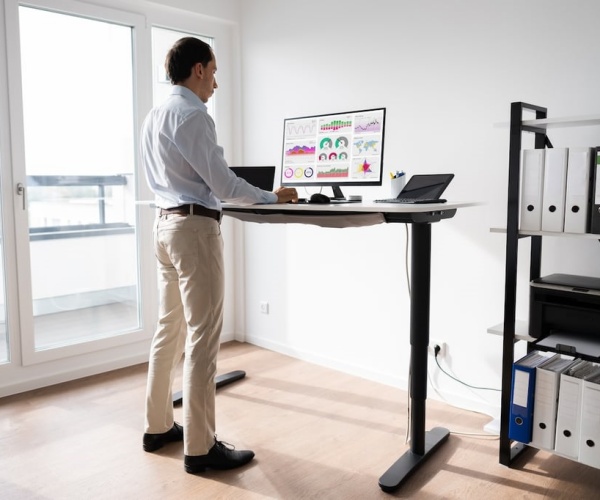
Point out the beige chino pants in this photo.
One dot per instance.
(189, 250)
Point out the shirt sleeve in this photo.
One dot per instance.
(196, 140)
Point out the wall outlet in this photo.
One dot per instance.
(264, 307)
(433, 342)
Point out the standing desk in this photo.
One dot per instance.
(420, 216)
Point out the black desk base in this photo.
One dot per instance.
(220, 381)
(411, 461)
(422, 444)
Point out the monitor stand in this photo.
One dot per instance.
(337, 193)
(338, 196)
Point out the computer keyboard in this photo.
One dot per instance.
(332, 201)
(343, 202)
(409, 200)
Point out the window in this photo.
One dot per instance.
(78, 114)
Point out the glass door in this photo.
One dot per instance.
(4, 345)
(79, 193)
(76, 257)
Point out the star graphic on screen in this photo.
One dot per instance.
(365, 168)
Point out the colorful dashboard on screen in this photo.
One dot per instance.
(334, 149)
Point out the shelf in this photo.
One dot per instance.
(546, 123)
(510, 449)
(572, 121)
(584, 346)
(521, 329)
(590, 236)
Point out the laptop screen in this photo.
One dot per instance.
(261, 177)
(426, 186)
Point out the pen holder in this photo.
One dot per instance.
(396, 185)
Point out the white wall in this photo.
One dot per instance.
(447, 71)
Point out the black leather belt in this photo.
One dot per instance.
(191, 209)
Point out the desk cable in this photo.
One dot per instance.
(407, 436)
(437, 362)
(483, 435)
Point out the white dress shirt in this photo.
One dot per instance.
(182, 160)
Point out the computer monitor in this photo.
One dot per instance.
(339, 149)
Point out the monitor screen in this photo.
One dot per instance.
(341, 149)
(261, 177)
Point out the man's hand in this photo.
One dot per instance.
(285, 195)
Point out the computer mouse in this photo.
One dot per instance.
(319, 198)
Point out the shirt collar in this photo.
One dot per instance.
(187, 93)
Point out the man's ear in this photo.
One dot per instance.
(198, 70)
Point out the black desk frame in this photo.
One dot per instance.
(422, 443)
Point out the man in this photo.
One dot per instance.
(188, 174)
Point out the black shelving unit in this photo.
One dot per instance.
(509, 449)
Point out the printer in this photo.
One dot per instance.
(564, 303)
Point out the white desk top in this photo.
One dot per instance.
(344, 214)
(363, 207)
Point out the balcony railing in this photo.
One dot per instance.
(76, 206)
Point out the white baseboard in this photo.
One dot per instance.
(493, 427)
(38, 380)
(400, 381)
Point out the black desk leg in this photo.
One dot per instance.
(422, 444)
(220, 381)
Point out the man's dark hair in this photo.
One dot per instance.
(185, 53)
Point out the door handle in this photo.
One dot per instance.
(21, 192)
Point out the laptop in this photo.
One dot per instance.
(422, 188)
(261, 177)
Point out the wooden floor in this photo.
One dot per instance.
(317, 434)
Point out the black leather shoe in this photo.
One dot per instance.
(153, 442)
(221, 456)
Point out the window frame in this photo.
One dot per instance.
(26, 372)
